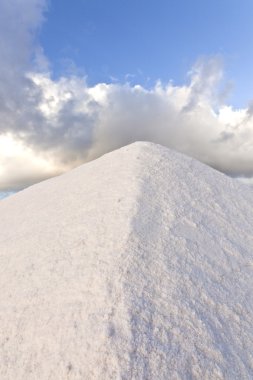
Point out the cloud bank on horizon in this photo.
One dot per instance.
(48, 126)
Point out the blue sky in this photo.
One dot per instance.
(79, 79)
(144, 41)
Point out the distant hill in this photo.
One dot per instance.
(138, 265)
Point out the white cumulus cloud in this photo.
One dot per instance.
(48, 126)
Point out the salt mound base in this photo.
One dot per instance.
(138, 265)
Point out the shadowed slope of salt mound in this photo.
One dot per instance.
(138, 265)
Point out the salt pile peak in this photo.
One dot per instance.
(138, 265)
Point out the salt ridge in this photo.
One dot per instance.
(137, 265)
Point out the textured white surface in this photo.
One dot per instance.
(138, 265)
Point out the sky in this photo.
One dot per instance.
(143, 41)
(79, 79)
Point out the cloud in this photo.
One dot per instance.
(21, 167)
(19, 23)
(50, 126)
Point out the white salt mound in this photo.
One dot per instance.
(138, 265)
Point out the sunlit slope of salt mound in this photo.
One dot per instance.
(138, 265)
